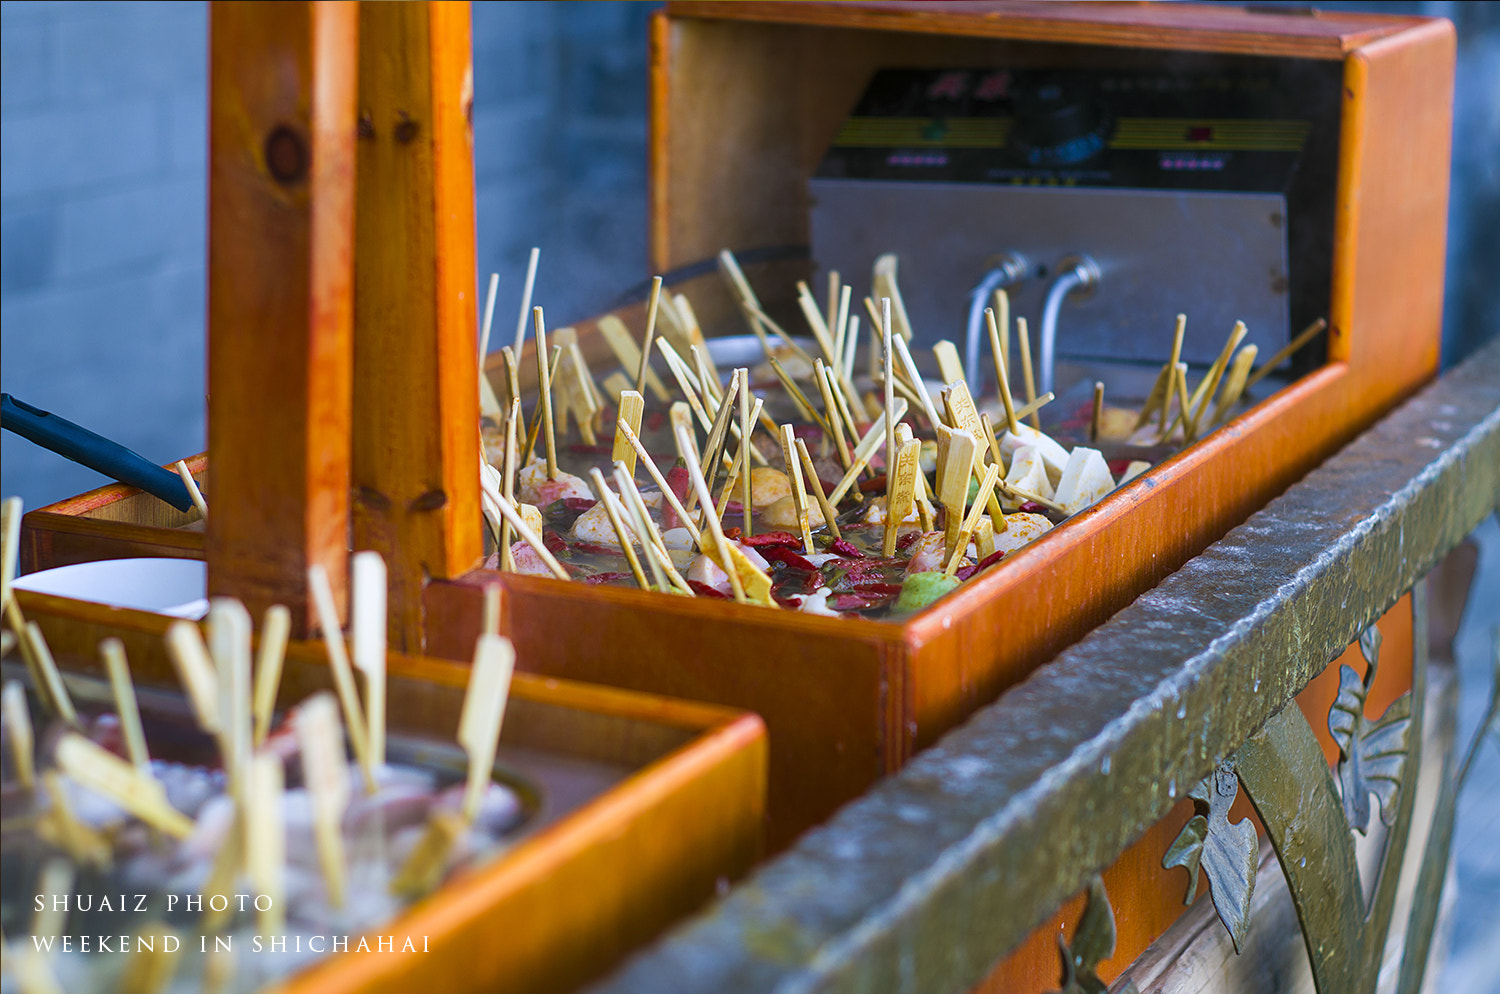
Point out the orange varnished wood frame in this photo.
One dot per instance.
(566, 904)
(280, 266)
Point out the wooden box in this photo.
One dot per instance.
(567, 901)
(847, 701)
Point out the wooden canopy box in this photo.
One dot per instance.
(569, 900)
(744, 98)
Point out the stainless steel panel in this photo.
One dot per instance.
(1218, 257)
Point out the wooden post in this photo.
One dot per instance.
(281, 210)
(416, 408)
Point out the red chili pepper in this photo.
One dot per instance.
(554, 542)
(785, 540)
(844, 548)
(908, 540)
(679, 481)
(964, 572)
(777, 554)
(655, 420)
(733, 534)
(1117, 467)
(888, 589)
(854, 602)
(704, 590)
(733, 508)
(578, 504)
(606, 577)
(596, 550)
(875, 486)
(1032, 507)
(989, 560)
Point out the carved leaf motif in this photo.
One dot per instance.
(1372, 752)
(1227, 852)
(1093, 943)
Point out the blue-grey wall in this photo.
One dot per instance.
(102, 198)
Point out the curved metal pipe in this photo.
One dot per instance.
(1011, 270)
(1083, 274)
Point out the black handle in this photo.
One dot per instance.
(94, 451)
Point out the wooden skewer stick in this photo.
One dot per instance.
(1036, 405)
(19, 732)
(325, 772)
(622, 532)
(1180, 376)
(85, 844)
(815, 321)
(622, 343)
(708, 376)
(661, 480)
(919, 386)
(651, 308)
(997, 513)
(851, 348)
(747, 452)
(1002, 376)
(343, 673)
(867, 447)
(841, 327)
(715, 530)
(129, 712)
(799, 494)
(192, 489)
(834, 417)
(1023, 339)
(56, 689)
(1234, 385)
(842, 400)
(508, 483)
(92, 766)
(762, 318)
(653, 560)
(651, 537)
(268, 662)
(512, 372)
(525, 312)
(489, 618)
(489, 404)
(56, 877)
(632, 406)
(986, 493)
(718, 435)
(887, 352)
(950, 366)
(1283, 354)
(1161, 390)
(265, 840)
(729, 268)
(544, 387)
(902, 471)
(810, 474)
(1098, 413)
(10, 534)
(1025, 496)
(832, 317)
(527, 534)
(229, 645)
(958, 449)
(804, 405)
(483, 713)
(1205, 392)
(195, 670)
(1001, 344)
(367, 621)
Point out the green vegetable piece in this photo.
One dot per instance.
(922, 589)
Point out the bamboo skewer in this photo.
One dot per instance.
(489, 404)
(1161, 390)
(1035, 405)
(950, 366)
(718, 435)
(832, 317)
(126, 707)
(325, 772)
(841, 327)
(1002, 377)
(1205, 392)
(631, 407)
(835, 418)
(830, 513)
(525, 312)
(52, 679)
(888, 369)
(708, 376)
(902, 472)
(192, 489)
(512, 372)
(867, 447)
(716, 530)
(651, 308)
(919, 387)
(1283, 354)
(747, 452)
(661, 480)
(1000, 343)
(544, 387)
(343, 673)
(886, 286)
(1234, 385)
(367, 621)
(651, 537)
(997, 513)
(622, 343)
(92, 766)
(851, 348)
(798, 397)
(799, 494)
(957, 449)
(10, 535)
(815, 320)
(986, 493)
(761, 317)
(19, 733)
(527, 534)
(1023, 339)
(1097, 414)
(273, 638)
(265, 840)
(483, 713)
(627, 539)
(508, 482)
(195, 671)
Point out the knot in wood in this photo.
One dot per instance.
(373, 499)
(406, 130)
(432, 500)
(365, 126)
(286, 155)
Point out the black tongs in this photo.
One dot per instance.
(94, 451)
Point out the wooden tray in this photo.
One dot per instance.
(567, 903)
(847, 701)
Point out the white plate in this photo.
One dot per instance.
(178, 587)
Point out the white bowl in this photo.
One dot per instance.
(177, 587)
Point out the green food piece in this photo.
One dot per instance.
(921, 589)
